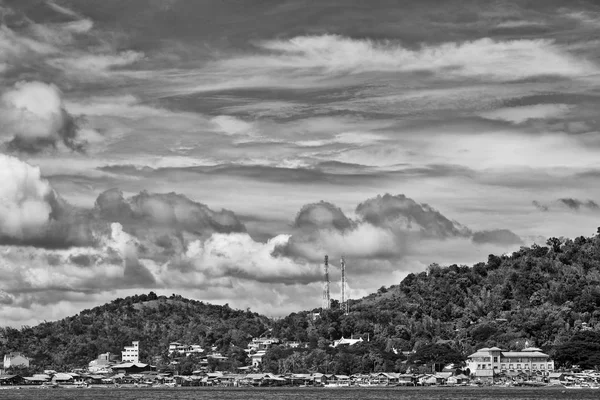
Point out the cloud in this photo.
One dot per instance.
(34, 113)
(170, 210)
(322, 215)
(388, 228)
(497, 236)
(238, 255)
(575, 204)
(522, 114)
(568, 203)
(31, 213)
(540, 206)
(88, 65)
(25, 208)
(481, 58)
(401, 212)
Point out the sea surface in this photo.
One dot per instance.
(403, 393)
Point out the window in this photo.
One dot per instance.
(495, 359)
(533, 366)
(550, 366)
(541, 366)
(518, 366)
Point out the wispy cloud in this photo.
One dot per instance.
(567, 203)
(483, 58)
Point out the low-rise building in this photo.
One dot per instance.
(15, 359)
(344, 341)
(102, 362)
(529, 360)
(262, 343)
(180, 348)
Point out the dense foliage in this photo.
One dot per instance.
(154, 321)
(546, 296)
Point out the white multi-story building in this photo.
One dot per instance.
(131, 353)
(15, 360)
(488, 362)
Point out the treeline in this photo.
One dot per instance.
(153, 320)
(544, 296)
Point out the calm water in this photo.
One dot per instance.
(302, 394)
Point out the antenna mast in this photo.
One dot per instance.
(326, 291)
(344, 302)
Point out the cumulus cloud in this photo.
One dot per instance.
(322, 215)
(35, 115)
(388, 227)
(567, 203)
(238, 255)
(167, 222)
(25, 207)
(31, 213)
(404, 213)
(500, 60)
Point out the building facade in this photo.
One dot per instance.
(131, 354)
(15, 360)
(488, 362)
(179, 348)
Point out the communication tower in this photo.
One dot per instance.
(344, 301)
(326, 290)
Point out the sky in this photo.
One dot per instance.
(219, 149)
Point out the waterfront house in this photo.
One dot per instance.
(457, 380)
(406, 380)
(385, 378)
(63, 378)
(130, 368)
(340, 379)
(558, 378)
(11, 380)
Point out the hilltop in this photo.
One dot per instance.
(545, 296)
(153, 320)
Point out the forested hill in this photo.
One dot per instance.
(154, 321)
(545, 296)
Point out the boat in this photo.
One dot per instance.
(337, 385)
(584, 386)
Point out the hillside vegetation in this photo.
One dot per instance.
(154, 321)
(545, 296)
